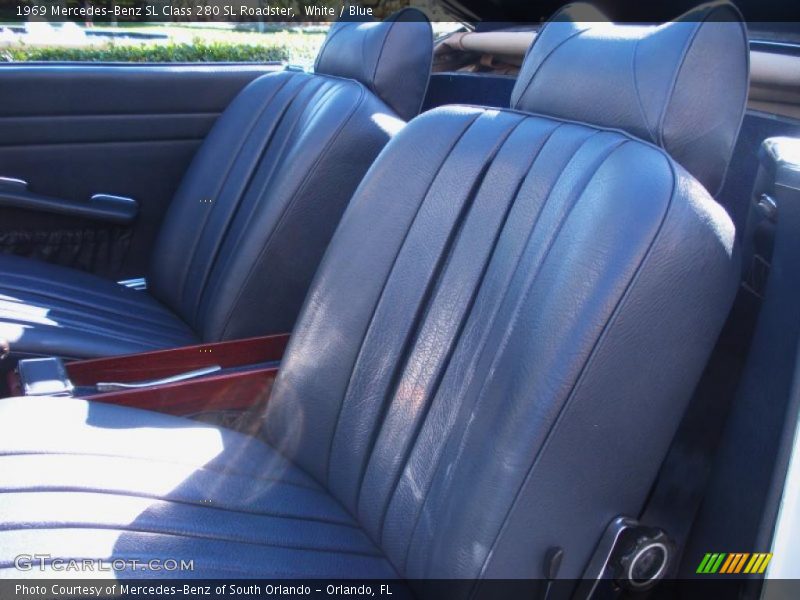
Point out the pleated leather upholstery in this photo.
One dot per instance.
(255, 211)
(500, 302)
(45, 308)
(95, 480)
(492, 359)
(248, 227)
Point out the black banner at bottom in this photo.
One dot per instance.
(184, 589)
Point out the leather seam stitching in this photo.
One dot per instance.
(248, 188)
(181, 288)
(101, 296)
(638, 92)
(428, 297)
(512, 202)
(365, 461)
(544, 60)
(590, 359)
(298, 191)
(344, 26)
(224, 232)
(675, 75)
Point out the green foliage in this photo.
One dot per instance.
(197, 51)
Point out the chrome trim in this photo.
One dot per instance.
(113, 386)
(137, 283)
(13, 182)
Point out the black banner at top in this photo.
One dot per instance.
(304, 11)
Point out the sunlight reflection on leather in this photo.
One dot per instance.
(388, 123)
(19, 315)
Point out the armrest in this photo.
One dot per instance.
(115, 386)
(165, 363)
(231, 391)
(14, 193)
(249, 368)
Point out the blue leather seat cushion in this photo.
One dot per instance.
(46, 309)
(99, 481)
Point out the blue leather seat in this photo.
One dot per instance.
(255, 211)
(174, 487)
(492, 359)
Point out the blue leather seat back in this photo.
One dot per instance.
(507, 326)
(262, 198)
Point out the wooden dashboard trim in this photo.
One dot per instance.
(162, 363)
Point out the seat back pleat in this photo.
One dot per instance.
(526, 374)
(404, 299)
(304, 412)
(420, 309)
(265, 180)
(532, 180)
(245, 236)
(444, 317)
(210, 191)
(443, 320)
(261, 153)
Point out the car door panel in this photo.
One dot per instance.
(75, 130)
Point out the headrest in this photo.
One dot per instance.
(392, 57)
(681, 85)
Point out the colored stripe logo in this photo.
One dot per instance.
(733, 563)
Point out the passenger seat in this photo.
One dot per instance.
(254, 213)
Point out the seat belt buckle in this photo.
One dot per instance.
(44, 377)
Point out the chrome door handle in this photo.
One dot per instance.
(14, 183)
